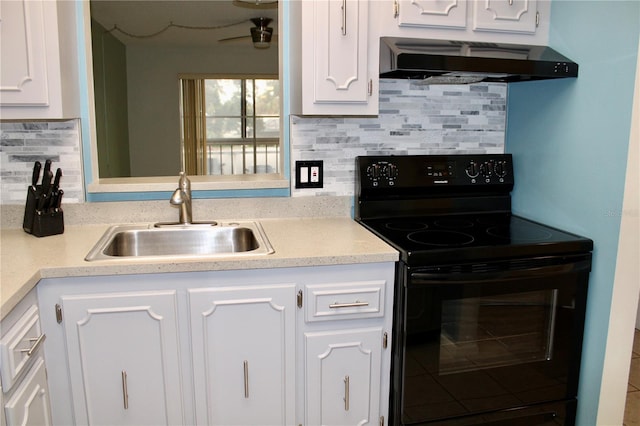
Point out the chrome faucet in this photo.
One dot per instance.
(182, 197)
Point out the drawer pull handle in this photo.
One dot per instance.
(346, 393)
(125, 390)
(36, 344)
(246, 378)
(355, 304)
(344, 17)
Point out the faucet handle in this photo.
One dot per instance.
(184, 183)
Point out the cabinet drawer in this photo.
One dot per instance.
(18, 345)
(349, 300)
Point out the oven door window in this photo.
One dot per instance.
(473, 343)
(496, 331)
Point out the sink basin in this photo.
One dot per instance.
(147, 241)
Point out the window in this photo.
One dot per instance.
(230, 126)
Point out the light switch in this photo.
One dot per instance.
(309, 174)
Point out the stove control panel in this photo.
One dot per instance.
(424, 171)
(487, 169)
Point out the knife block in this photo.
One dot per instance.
(48, 223)
(39, 222)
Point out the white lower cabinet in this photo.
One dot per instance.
(29, 405)
(123, 358)
(24, 394)
(285, 346)
(342, 371)
(243, 345)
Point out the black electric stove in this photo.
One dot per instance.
(428, 239)
(428, 206)
(483, 297)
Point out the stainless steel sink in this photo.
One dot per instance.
(216, 240)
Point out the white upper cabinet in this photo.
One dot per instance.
(506, 21)
(517, 16)
(38, 74)
(339, 75)
(432, 13)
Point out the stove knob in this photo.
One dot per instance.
(472, 170)
(486, 169)
(500, 168)
(373, 171)
(391, 171)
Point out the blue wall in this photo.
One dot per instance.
(569, 139)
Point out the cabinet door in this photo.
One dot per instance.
(515, 16)
(29, 405)
(243, 345)
(432, 13)
(343, 377)
(124, 358)
(335, 58)
(23, 80)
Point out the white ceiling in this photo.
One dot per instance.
(142, 17)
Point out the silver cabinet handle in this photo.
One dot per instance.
(36, 344)
(337, 305)
(346, 393)
(125, 390)
(344, 17)
(246, 378)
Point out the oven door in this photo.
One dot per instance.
(488, 337)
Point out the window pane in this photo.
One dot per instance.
(267, 127)
(222, 97)
(242, 126)
(249, 97)
(219, 128)
(268, 97)
(249, 125)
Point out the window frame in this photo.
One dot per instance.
(161, 187)
(243, 118)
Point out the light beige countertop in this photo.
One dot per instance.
(297, 242)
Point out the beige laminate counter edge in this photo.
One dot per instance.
(297, 242)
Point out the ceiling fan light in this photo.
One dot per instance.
(261, 33)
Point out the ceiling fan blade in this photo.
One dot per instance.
(274, 38)
(256, 4)
(234, 38)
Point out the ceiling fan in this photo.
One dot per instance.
(256, 4)
(260, 35)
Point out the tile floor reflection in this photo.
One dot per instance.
(632, 409)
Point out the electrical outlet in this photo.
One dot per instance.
(309, 174)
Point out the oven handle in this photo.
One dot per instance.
(479, 277)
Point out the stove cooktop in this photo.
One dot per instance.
(423, 240)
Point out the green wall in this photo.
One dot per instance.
(110, 77)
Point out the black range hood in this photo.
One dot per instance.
(461, 62)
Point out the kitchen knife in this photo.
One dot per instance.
(55, 191)
(56, 180)
(57, 202)
(47, 169)
(36, 175)
(45, 195)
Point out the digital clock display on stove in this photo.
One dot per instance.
(438, 170)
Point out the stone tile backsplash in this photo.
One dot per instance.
(413, 119)
(23, 143)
